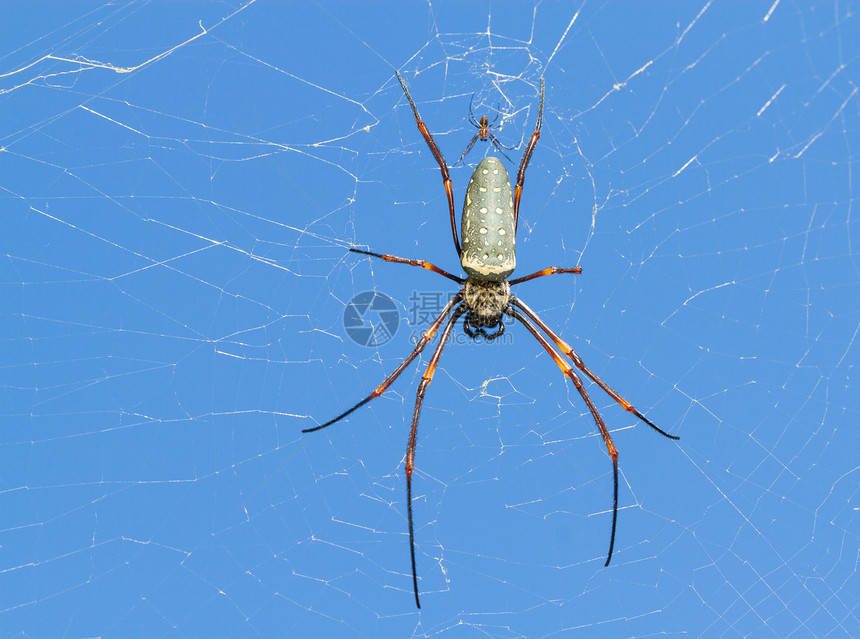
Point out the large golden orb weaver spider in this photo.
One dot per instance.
(488, 256)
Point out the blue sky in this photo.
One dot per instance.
(180, 187)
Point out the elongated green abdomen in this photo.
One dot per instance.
(487, 225)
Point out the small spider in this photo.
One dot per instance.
(488, 230)
(483, 133)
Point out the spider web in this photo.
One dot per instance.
(180, 185)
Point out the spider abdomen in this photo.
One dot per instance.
(487, 226)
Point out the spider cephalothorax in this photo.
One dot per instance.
(488, 256)
(486, 301)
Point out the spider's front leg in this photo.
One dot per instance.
(413, 435)
(425, 339)
(571, 374)
(567, 349)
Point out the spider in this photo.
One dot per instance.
(483, 133)
(488, 231)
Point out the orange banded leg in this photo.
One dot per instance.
(446, 178)
(568, 350)
(552, 270)
(521, 174)
(403, 260)
(425, 338)
(607, 438)
(413, 434)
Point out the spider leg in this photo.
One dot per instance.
(413, 433)
(446, 178)
(607, 438)
(567, 350)
(472, 115)
(499, 146)
(521, 174)
(552, 270)
(403, 260)
(468, 148)
(425, 338)
(495, 119)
